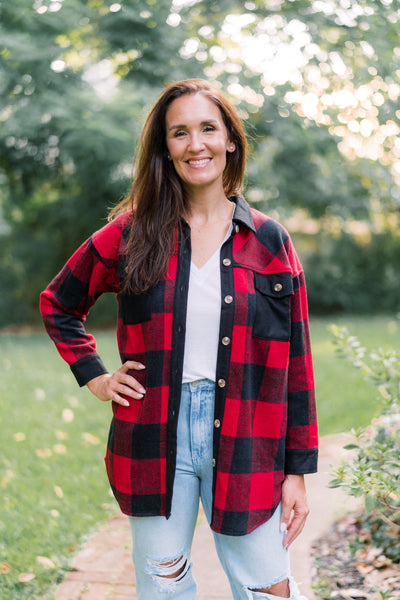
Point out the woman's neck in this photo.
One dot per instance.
(209, 224)
(204, 209)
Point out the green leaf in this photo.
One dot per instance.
(335, 483)
(370, 502)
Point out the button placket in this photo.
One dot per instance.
(225, 341)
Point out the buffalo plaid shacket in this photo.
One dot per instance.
(265, 415)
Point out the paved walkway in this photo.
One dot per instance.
(103, 569)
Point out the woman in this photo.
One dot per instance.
(214, 398)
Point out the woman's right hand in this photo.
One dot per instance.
(110, 387)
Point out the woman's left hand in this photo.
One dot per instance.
(294, 507)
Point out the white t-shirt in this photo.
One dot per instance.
(203, 320)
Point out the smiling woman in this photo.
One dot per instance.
(215, 396)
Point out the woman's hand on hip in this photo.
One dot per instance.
(294, 507)
(110, 387)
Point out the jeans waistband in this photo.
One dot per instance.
(203, 384)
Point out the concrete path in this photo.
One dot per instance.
(103, 569)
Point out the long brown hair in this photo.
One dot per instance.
(157, 197)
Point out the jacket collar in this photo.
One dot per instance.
(242, 213)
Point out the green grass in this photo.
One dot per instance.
(344, 399)
(53, 485)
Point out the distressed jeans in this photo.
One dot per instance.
(162, 547)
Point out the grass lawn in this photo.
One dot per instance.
(53, 486)
(344, 399)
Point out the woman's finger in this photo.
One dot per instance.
(132, 364)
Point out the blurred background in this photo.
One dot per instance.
(317, 83)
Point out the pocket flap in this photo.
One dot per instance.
(276, 285)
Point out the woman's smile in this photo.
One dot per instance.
(201, 162)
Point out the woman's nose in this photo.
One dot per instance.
(195, 142)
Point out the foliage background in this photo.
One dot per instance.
(317, 85)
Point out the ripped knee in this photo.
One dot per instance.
(168, 572)
(281, 589)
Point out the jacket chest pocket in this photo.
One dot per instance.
(272, 318)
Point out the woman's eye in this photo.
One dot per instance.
(179, 133)
(209, 128)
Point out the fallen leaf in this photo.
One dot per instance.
(19, 436)
(43, 452)
(8, 476)
(25, 577)
(58, 491)
(60, 449)
(40, 394)
(54, 513)
(362, 554)
(90, 438)
(374, 553)
(364, 568)
(61, 435)
(47, 563)
(5, 567)
(353, 594)
(68, 415)
(381, 562)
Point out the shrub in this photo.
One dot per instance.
(374, 472)
(346, 273)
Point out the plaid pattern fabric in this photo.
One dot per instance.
(265, 416)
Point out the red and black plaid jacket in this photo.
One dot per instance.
(265, 416)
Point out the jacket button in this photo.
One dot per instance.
(227, 262)
(214, 462)
(217, 423)
(278, 287)
(228, 299)
(221, 383)
(226, 341)
(237, 228)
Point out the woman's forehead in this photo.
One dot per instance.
(193, 108)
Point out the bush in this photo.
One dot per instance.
(374, 472)
(349, 273)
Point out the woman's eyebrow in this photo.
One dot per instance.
(183, 126)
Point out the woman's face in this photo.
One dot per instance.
(197, 141)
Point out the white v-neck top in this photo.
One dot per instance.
(203, 319)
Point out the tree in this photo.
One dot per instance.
(77, 77)
(74, 92)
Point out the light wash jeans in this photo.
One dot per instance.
(161, 546)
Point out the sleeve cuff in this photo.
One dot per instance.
(88, 368)
(301, 462)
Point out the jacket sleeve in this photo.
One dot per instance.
(302, 432)
(65, 303)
